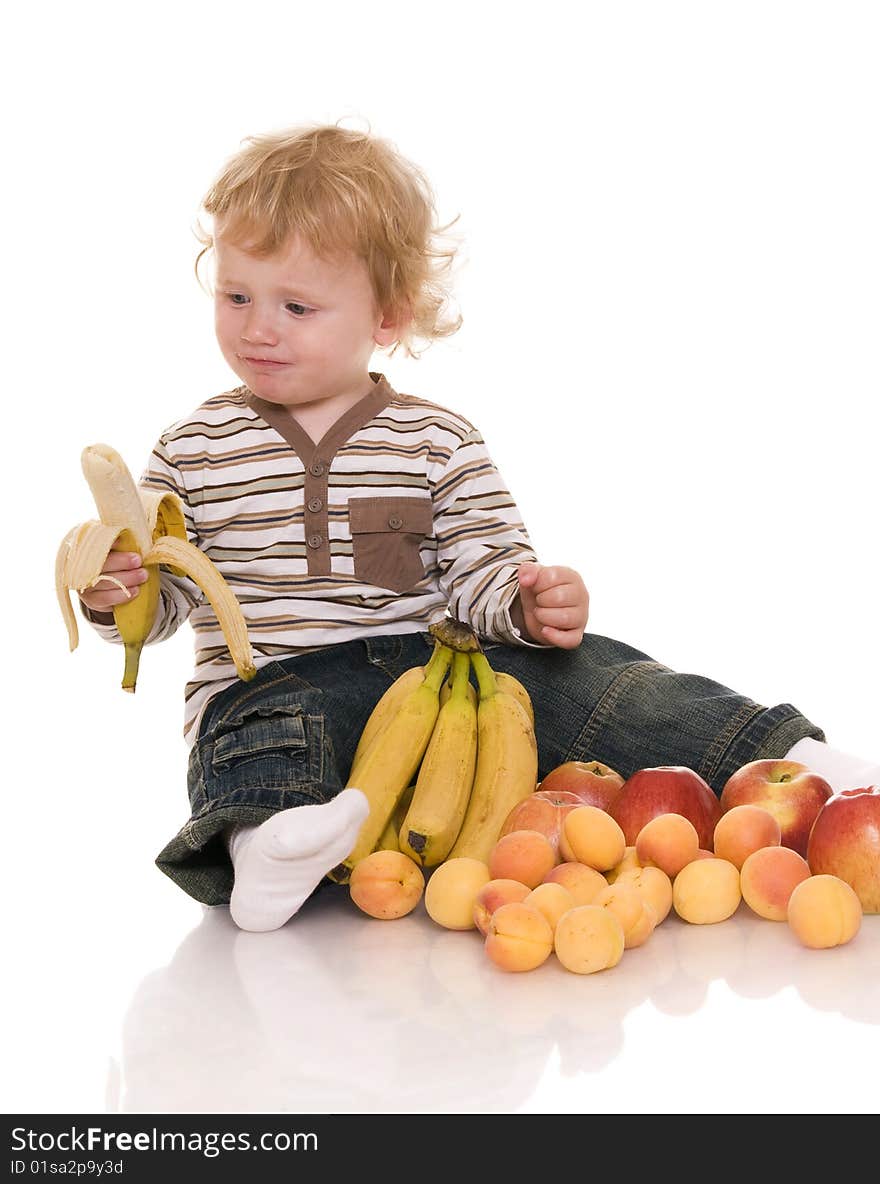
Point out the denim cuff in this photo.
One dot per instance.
(197, 858)
(769, 734)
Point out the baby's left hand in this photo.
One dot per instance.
(555, 604)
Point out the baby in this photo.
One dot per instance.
(347, 518)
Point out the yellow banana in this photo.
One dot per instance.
(506, 682)
(388, 838)
(507, 765)
(385, 710)
(151, 523)
(446, 775)
(392, 761)
(446, 691)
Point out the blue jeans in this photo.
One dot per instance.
(287, 738)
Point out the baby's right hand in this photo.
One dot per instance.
(127, 568)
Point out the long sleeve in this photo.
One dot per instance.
(481, 541)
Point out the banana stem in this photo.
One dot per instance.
(438, 665)
(485, 676)
(461, 669)
(132, 661)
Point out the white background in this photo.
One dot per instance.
(669, 279)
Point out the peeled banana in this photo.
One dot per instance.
(507, 765)
(151, 523)
(392, 760)
(446, 777)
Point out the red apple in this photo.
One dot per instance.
(845, 842)
(666, 789)
(594, 783)
(542, 810)
(790, 791)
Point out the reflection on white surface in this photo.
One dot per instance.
(339, 1013)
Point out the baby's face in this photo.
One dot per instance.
(296, 328)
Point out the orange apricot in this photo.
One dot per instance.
(386, 884)
(629, 862)
(492, 895)
(592, 837)
(519, 937)
(452, 890)
(668, 841)
(744, 829)
(768, 877)
(524, 855)
(581, 881)
(824, 911)
(588, 938)
(706, 891)
(552, 900)
(636, 917)
(654, 885)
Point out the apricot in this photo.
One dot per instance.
(524, 855)
(552, 900)
(591, 836)
(452, 890)
(386, 884)
(519, 937)
(636, 917)
(628, 863)
(654, 885)
(581, 881)
(768, 877)
(824, 911)
(588, 938)
(492, 895)
(706, 891)
(668, 841)
(744, 829)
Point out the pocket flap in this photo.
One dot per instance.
(399, 515)
(272, 728)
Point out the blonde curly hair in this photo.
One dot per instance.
(342, 190)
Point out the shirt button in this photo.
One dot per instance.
(317, 469)
(315, 504)
(394, 522)
(315, 541)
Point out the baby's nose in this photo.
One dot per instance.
(258, 326)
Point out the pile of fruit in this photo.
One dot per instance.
(441, 764)
(586, 864)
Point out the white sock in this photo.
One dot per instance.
(841, 770)
(280, 862)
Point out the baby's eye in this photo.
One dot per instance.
(298, 310)
(236, 298)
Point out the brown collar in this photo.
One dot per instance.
(314, 454)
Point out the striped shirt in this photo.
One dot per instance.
(395, 516)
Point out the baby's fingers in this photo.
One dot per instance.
(118, 583)
(559, 618)
(565, 639)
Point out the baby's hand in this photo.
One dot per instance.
(126, 568)
(555, 604)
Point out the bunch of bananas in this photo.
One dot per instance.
(441, 764)
(151, 523)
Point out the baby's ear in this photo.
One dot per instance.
(392, 327)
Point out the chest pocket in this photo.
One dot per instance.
(386, 533)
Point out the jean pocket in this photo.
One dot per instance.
(269, 746)
(386, 536)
